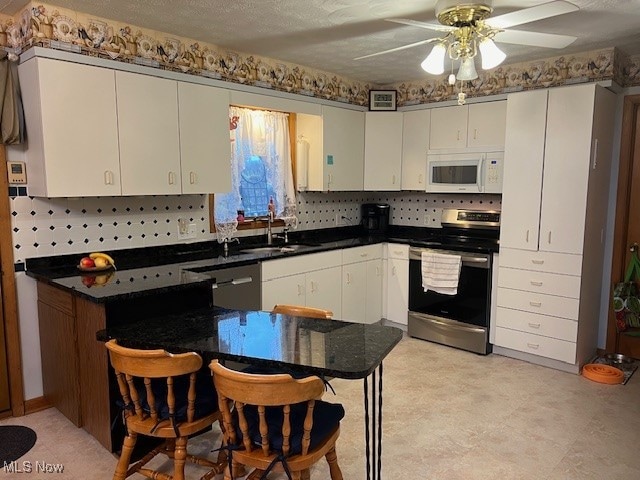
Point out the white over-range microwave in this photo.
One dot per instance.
(479, 172)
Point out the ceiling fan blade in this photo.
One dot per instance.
(532, 14)
(397, 49)
(535, 39)
(415, 23)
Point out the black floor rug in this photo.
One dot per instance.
(15, 441)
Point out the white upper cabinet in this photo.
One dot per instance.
(487, 124)
(549, 154)
(343, 145)
(567, 165)
(468, 126)
(415, 143)
(335, 150)
(72, 129)
(205, 145)
(383, 151)
(149, 134)
(449, 127)
(524, 155)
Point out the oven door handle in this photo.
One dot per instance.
(415, 253)
(474, 259)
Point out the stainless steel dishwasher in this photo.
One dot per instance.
(237, 287)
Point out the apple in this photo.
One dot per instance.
(100, 262)
(87, 262)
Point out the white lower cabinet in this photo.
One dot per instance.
(397, 283)
(362, 284)
(312, 280)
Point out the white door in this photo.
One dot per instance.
(382, 151)
(343, 148)
(148, 133)
(78, 136)
(288, 290)
(398, 290)
(354, 292)
(566, 169)
(487, 124)
(415, 143)
(523, 162)
(448, 127)
(373, 310)
(324, 290)
(205, 145)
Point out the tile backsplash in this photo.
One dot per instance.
(57, 226)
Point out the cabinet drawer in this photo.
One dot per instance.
(397, 250)
(554, 327)
(361, 254)
(283, 267)
(538, 303)
(539, 282)
(563, 263)
(536, 345)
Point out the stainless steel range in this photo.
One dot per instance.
(462, 319)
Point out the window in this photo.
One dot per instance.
(261, 169)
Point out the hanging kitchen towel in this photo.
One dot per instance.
(441, 272)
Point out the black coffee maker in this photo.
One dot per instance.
(375, 217)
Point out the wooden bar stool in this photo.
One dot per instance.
(161, 398)
(275, 423)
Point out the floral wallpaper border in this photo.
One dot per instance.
(52, 27)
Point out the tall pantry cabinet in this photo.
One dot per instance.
(554, 203)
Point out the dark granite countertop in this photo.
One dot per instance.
(318, 346)
(154, 270)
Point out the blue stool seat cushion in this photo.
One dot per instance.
(326, 417)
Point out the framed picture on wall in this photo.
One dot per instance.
(383, 100)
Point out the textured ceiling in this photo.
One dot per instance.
(329, 34)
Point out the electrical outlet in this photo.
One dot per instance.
(186, 230)
(433, 218)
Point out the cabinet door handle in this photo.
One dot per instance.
(398, 252)
(536, 284)
(393, 179)
(393, 271)
(549, 236)
(458, 137)
(330, 178)
(108, 177)
(193, 178)
(475, 133)
(363, 255)
(172, 178)
(377, 271)
(535, 346)
(420, 179)
(534, 325)
(348, 279)
(299, 290)
(538, 262)
(535, 304)
(314, 287)
(527, 237)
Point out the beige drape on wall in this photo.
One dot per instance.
(12, 126)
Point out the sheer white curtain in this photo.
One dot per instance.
(265, 135)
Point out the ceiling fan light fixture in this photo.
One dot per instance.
(434, 63)
(492, 56)
(467, 70)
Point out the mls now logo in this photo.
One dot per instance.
(31, 467)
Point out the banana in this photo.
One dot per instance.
(104, 256)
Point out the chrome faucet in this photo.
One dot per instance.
(225, 245)
(269, 234)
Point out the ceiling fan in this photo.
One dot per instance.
(469, 27)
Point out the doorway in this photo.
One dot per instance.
(627, 225)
